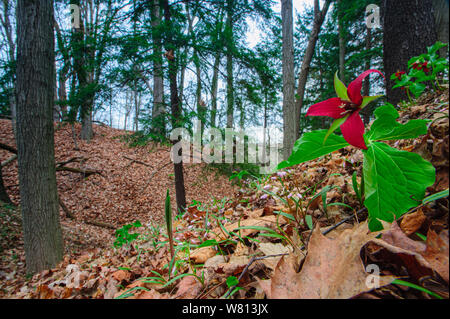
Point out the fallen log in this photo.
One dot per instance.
(86, 172)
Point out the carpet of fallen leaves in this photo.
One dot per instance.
(250, 238)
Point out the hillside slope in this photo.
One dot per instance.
(123, 192)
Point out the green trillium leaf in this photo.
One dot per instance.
(385, 127)
(341, 90)
(368, 99)
(311, 146)
(394, 181)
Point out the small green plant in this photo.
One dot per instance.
(168, 215)
(394, 180)
(123, 236)
(422, 69)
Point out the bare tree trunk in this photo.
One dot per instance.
(405, 38)
(176, 110)
(342, 41)
(319, 16)
(289, 120)
(441, 11)
(229, 55)
(214, 89)
(158, 76)
(35, 135)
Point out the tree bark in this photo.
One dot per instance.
(35, 135)
(214, 89)
(175, 108)
(319, 17)
(158, 77)
(229, 55)
(289, 120)
(342, 41)
(409, 28)
(441, 11)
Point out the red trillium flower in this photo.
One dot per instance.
(345, 109)
(399, 74)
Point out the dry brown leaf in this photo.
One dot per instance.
(150, 294)
(273, 249)
(201, 255)
(188, 288)
(437, 252)
(412, 222)
(121, 275)
(332, 269)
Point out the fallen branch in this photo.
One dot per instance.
(73, 159)
(9, 160)
(86, 172)
(65, 209)
(8, 148)
(99, 224)
(137, 161)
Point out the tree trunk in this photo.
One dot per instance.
(408, 29)
(214, 89)
(441, 11)
(342, 41)
(35, 135)
(158, 111)
(319, 17)
(289, 120)
(230, 79)
(176, 110)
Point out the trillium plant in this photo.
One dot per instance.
(393, 180)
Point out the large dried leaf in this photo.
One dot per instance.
(332, 269)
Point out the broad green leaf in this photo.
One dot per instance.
(341, 90)
(417, 88)
(232, 281)
(435, 47)
(311, 146)
(368, 99)
(394, 181)
(386, 127)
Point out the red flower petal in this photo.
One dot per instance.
(330, 107)
(353, 130)
(354, 88)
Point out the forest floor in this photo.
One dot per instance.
(241, 247)
(130, 185)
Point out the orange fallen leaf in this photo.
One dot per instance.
(333, 268)
(188, 288)
(412, 222)
(121, 275)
